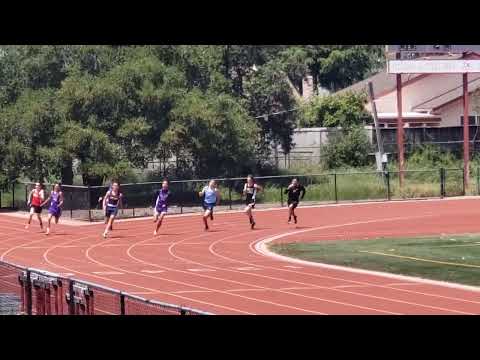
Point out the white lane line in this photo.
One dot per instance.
(292, 267)
(152, 271)
(9, 276)
(247, 268)
(201, 270)
(403, 284)
(107, 273)
(348, 286)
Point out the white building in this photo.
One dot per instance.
(427, 99)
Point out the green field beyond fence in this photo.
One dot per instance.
(81, 202)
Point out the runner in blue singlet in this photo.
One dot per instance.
(211, 198)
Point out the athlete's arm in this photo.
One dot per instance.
(258, 187)
(245, 189)
(60, 197)
(30, 198)
(202, 192)
(46, 201)
(303, 191)
(120, 201)
(104, 204)
(218, 196)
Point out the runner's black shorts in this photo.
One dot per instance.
(295, 203)
(37, 209)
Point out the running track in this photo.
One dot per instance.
(226, 270)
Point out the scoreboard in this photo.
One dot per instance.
(410, 52)
(420, 59)
(433, 49)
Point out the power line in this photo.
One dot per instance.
(276, 113)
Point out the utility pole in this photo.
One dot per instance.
(377, 126)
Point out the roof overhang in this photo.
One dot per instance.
(408, 115)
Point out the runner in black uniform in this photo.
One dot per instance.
(294, 190)
(250, 190)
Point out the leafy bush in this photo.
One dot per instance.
(431, 156)
(350, 149)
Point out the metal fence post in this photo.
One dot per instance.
(89, 204)
(478, 181)
(181, 197)
(445, 182)
(122, 304)
(26, 195)
(463, 184)
(281, 195)
(230, 193)
(387, 179)
(442, 182)
(71, 305)
(335, 186)
(28, 293)
(71, 204)
(13, 195)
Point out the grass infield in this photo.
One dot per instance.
(452, 258)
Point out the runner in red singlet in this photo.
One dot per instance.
(35, 200)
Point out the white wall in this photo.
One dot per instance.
(451, 113)
(424, 90)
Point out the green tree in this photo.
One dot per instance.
(214, 131)
(344, 67)
(112, 108)
(337, 66)
(335, 110)
(98, 157)
(13, 151)
(267, 92)
(295, 63)
(34, 117)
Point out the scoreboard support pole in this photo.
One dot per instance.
(466, 132)
(400, 134)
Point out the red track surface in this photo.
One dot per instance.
(221, 272)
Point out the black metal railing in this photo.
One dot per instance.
(36, 292)
(82, 202)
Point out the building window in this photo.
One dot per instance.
(408, 47)
(472, 120)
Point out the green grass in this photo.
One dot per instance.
(461, 252)
(352, 186)
(6, 195)
(367, 186)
